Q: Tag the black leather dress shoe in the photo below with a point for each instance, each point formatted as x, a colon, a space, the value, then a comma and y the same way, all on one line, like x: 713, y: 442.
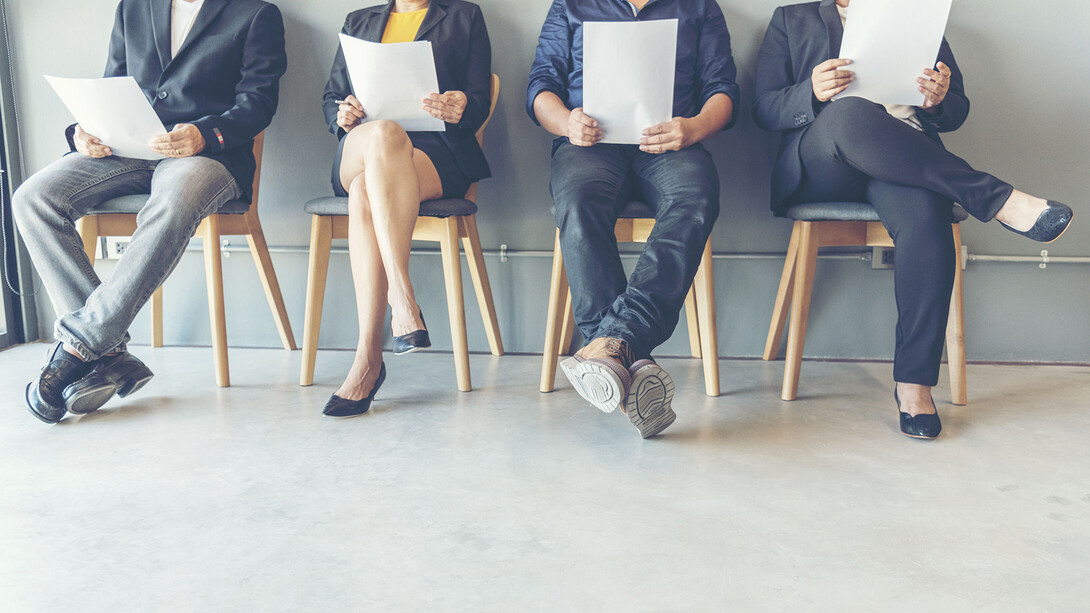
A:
x: 122, y: 374
x: 1051, y: 223
x: 339, y: 407
x: 45, y: 396
x: 413, y: 341
x: 921, y: 426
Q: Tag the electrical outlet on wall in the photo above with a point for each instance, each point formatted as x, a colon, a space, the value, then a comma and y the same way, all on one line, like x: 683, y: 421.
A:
x: 881, y: 258
x: 115, y: 246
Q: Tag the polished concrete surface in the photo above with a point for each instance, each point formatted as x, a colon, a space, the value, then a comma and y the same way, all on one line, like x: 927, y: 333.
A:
x: 186, y: 497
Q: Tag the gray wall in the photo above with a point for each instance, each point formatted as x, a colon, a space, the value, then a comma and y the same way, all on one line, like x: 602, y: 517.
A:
x: 1026, y: 72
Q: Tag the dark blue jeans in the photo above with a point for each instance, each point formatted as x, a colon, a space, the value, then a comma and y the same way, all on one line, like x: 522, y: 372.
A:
x: 590, y: 186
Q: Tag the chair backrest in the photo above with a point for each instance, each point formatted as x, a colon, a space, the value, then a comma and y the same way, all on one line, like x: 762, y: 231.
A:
x: 259, y: 146
x: 471, y: 194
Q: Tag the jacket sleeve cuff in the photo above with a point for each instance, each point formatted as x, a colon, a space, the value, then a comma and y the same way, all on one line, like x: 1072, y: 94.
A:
x: 214, y: 140
x: 70, y: 136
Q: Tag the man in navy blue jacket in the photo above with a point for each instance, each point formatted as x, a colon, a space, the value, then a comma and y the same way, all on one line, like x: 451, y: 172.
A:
x: 624, y: 320
x: 211, y: 69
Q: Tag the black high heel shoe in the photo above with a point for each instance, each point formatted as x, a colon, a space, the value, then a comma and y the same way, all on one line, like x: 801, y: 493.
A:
x: 1050, y: 225
x: 413, y: 341
x: 920, y: 426
x: 339, y: 407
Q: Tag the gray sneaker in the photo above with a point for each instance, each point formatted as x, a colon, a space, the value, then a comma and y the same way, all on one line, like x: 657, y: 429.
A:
x: 649, y: 398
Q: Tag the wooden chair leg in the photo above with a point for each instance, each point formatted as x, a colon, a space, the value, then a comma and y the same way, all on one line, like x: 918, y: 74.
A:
x: 452, y: 274
x: 705, y: 308
x: 955, y: 331
x: 157, y: 317
x: 783, y: 298
x: 471, y: 243
x: 800, y: 308
x: 87, y: 228
x: 321, y: 244
x: 567, y: 331
x: 692, y: 322
x: 260, y: 251
x: 213, y: 270
x: 555, y: 320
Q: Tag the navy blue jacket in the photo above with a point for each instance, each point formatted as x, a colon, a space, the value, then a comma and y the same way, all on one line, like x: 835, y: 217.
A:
x: 463, y: 62
x: 705, y: 66
x: 225, y: 79
x: 800, y: 37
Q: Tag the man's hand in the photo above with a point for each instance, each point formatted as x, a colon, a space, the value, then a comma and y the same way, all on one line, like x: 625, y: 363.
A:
x: 828, y: 80
x: 934, y: 85
x: 447, y: 107
x: 674, y: 135
x: 583, y: 129
x: 183, y: 141
x: 89, y: 145
x: 350, y: 114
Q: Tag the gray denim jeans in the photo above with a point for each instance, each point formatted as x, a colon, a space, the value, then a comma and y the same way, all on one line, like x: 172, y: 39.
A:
x: 94, y: 315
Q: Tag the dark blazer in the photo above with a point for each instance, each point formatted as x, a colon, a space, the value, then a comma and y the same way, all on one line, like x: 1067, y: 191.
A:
x: 463, y: 62
x: 225, y: 79
x: 800, y: 37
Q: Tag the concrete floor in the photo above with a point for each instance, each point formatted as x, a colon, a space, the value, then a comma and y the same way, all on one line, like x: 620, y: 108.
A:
x: 186, y: 497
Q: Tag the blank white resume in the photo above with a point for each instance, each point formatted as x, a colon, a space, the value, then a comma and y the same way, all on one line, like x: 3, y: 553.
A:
x: 628, y: 76
x: 890, y: 42
x: 391, y: 81
x: 115, y: 111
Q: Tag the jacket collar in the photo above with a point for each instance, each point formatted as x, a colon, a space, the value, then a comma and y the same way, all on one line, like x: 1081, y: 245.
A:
x: 831, y: 17
x: 377, y: 26
x: 160, y: 24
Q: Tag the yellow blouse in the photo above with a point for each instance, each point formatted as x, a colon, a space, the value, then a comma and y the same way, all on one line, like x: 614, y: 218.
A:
x: 402, y: 27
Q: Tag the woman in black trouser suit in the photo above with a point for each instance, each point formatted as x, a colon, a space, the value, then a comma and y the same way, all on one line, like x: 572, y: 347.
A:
x: 891, y: 157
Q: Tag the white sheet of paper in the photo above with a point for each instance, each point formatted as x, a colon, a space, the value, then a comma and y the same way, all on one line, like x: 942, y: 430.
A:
x: 890, y: 42
x: 628, y: 76
x: 391, y: 81
x: 114, y: 110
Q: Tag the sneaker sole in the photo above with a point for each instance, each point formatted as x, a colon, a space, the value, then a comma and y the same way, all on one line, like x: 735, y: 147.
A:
x: 649, y: 400
x: 135, y: 386
x: 596, y: 383
x: 89, y: 400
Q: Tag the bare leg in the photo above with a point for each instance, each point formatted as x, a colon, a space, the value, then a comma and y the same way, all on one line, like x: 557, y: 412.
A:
x: 915, y: 399
x: 379, y: 166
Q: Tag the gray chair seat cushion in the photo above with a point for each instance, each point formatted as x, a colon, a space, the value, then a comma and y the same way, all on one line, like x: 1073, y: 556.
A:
x: 135, y: 202
x: 332, y: 205
x: 847, y: 211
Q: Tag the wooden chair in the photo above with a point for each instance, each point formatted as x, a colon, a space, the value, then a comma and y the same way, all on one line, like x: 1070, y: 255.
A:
x: 442, y: 221
x: 634, y: 226
x: 117, y: 217
x: 839, y: 224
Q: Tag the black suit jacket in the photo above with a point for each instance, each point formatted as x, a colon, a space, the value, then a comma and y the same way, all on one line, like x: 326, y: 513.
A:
x: 463, y: 62
x: 225, y: 79
x: 800, y: 37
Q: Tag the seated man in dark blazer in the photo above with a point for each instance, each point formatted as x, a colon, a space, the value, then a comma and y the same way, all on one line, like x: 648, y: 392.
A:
x: 211, y: 69
x: 624, y: 320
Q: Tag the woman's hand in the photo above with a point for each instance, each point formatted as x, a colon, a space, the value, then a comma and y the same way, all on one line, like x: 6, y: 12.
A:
x: 674, y: 135
x: 448, y: 107
x: 583, y: 130
x: 183, y: 141
x: 89, y: 145
x: 934, y: 85
x: 828, y: 80
x: 350, y: 113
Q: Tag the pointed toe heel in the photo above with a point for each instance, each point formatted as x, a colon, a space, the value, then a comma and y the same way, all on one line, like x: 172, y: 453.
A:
x: 339, y: 407
x: 924, y: 426
x: 1050, y: 225
x: 413, y: 341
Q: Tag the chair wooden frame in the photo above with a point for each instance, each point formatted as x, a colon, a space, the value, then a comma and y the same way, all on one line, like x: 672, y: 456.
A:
x: 247, y: 224
x: 699, y: 310
x: 797, y: 281
x: 445, y: 231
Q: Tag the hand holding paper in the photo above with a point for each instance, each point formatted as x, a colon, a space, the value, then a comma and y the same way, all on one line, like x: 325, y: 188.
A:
x: 890, y: 43
x: 115, y: 112
x: 392, y: 80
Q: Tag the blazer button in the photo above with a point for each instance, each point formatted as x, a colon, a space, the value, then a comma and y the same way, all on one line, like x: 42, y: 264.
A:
x: 163, y: 95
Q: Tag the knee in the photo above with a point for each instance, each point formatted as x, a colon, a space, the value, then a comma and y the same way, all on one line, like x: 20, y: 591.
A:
x: 849, y: 109
x: 384, y: 137
x: 32, y: 201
